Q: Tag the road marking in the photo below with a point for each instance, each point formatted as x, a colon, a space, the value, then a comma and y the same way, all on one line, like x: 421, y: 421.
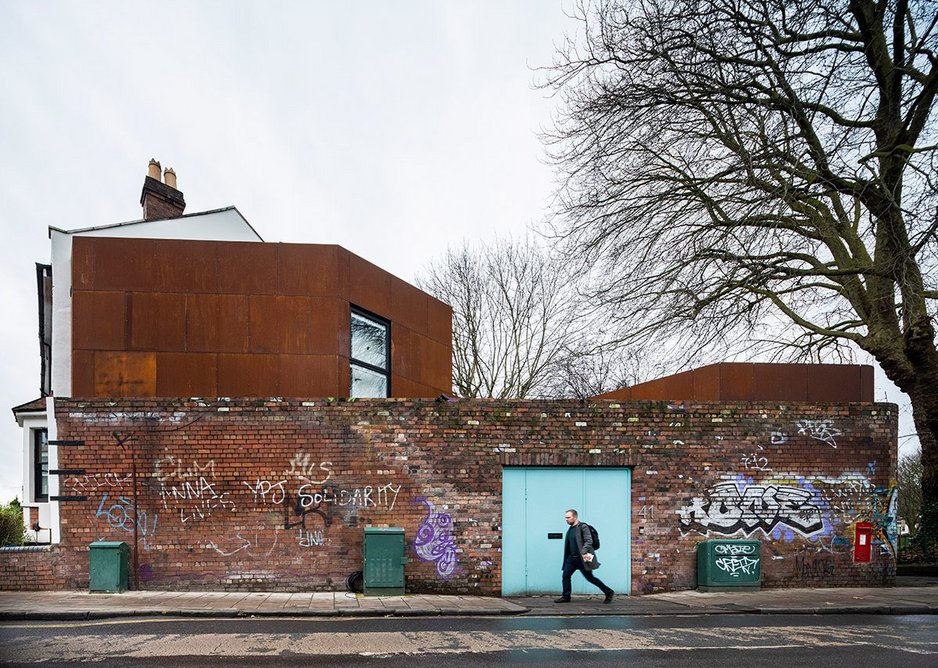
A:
x: 388, y: 643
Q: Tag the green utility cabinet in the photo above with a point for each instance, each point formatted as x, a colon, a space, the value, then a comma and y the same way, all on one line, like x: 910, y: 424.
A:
x: 384, y: 561
x: 729, y: 565
x: 108, y: 565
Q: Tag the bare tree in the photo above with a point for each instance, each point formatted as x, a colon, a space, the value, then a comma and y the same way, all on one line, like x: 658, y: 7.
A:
x: 909, y: 478
x: 520, y: 329
x: 761, y: 171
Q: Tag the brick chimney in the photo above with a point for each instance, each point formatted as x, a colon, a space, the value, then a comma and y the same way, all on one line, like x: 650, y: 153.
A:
x: 160, y: 198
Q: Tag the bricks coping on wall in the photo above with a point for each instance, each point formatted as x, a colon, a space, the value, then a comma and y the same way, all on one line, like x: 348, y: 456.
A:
x: 273, y: 494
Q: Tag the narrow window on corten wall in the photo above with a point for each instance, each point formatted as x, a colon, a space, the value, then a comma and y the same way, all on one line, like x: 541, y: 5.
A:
x: 40, y: 465
x: 370, y: 364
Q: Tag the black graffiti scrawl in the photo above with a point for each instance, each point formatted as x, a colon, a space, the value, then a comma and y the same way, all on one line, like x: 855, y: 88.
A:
x: 726, y: 510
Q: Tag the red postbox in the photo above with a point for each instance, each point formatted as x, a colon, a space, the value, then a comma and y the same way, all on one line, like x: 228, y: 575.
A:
x: 863, y: 542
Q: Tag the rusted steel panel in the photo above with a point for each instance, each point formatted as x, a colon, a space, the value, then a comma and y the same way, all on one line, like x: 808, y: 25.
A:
x: 247, y: 375
x: 652, y: 390
x: 248, y: 268
x: 158, y: 321
x: 369, y: 286
x: 328, y: 326
x: 124, y: 374
x: 83, y: 373
x: 311, y: 270
x: 217, y: 323
x: 833, y: 382
x: 408, y: 353
x: 736, y: 382
x: 309, y: 376
x: 439, y: 321
x: 680, y: 386
x: 437, y: 368
x: 186, y: 266
x: 82, y: 263
x: 409, y: 305
x: 343, y: 373
x: 407, y: 388
x: 99, y: 320
x: 866, y: 383
x: 706, y: 383
x: 280, y: 324
x: 780, y: 382
x: 122, y: 264
x: 186, y: 375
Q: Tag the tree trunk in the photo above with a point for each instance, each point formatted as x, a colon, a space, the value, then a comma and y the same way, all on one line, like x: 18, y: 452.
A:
x: 925, y: 413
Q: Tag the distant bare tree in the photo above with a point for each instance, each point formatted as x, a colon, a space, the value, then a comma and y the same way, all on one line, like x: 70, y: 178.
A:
x: 595, y: 369
x: 762, y: 171
x: 520, y: 329
x: 909, y: 477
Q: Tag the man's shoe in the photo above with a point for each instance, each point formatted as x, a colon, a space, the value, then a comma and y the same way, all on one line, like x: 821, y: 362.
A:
x: 562, y: 599
x: 609, y: 597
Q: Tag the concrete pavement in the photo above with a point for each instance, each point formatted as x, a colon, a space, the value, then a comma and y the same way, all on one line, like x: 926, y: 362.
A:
x: 913, y: 596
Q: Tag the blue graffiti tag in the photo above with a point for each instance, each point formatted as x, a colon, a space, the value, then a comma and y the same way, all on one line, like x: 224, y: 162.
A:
x: 121, y: 516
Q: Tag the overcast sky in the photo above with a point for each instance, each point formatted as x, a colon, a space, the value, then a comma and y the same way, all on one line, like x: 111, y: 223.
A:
x: 392, y: 128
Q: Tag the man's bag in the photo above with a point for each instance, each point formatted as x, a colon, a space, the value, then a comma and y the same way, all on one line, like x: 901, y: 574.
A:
x: 594, y: 534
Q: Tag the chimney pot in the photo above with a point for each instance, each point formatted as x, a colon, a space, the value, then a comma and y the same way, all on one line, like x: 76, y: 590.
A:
x: 161, y: 200
x: 153, y: 170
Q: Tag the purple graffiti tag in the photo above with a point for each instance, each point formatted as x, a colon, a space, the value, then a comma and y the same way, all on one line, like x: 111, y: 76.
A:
x: 434, y: 540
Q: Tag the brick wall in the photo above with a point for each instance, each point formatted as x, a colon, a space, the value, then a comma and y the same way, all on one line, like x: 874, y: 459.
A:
x: 31, y: 569
x: 254, y: 494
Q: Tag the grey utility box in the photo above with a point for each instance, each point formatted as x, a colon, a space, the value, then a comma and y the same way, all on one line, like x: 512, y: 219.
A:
x: 108, y: 563
x: 384, y: 561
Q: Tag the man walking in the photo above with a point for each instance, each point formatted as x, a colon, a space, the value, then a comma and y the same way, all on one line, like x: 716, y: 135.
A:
x: 578, y: 555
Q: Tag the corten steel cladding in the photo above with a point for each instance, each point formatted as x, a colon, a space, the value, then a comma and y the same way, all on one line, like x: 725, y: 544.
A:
x: 158, y: 317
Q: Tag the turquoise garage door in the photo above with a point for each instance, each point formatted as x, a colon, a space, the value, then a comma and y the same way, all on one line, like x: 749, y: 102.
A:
x: 533, y: 504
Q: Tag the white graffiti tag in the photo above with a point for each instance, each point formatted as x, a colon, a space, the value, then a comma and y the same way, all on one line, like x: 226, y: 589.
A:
x: 820, y: 430
x: 736, y: 565
x: 726, y: 510
x: 723, y: 548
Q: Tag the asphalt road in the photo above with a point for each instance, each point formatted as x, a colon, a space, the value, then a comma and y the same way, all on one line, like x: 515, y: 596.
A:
x: 750, y: 640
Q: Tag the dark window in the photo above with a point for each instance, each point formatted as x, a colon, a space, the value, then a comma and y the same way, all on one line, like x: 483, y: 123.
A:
x: 44, y: 280
x: 40, y: 465
x: 370, y: 366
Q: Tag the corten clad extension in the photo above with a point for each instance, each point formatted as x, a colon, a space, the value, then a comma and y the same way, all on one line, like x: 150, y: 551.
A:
x: 736, y: 381
x: 169, y: 317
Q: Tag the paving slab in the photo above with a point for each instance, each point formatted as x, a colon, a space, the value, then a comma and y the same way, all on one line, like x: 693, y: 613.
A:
x: 76, y: 605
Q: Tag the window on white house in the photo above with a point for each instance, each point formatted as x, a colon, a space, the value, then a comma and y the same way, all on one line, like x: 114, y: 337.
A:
x: 40, y: 464
x: 370, y: 355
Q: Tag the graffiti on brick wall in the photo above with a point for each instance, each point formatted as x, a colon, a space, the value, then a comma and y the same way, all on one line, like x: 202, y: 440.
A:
x: 852, y: 498
x: 756, y: 460
x: 190, y: 488
x: 820, y: 430
x: 308, y: 497
x: 304, y: 466
x: 304, y: 494
x: 307, y: 538
x: 727, y: 510
x: 823, y: 511
x: 119, y: 514
x: 811, y: 566
x: 89, y: 483
x: 434, y: 539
